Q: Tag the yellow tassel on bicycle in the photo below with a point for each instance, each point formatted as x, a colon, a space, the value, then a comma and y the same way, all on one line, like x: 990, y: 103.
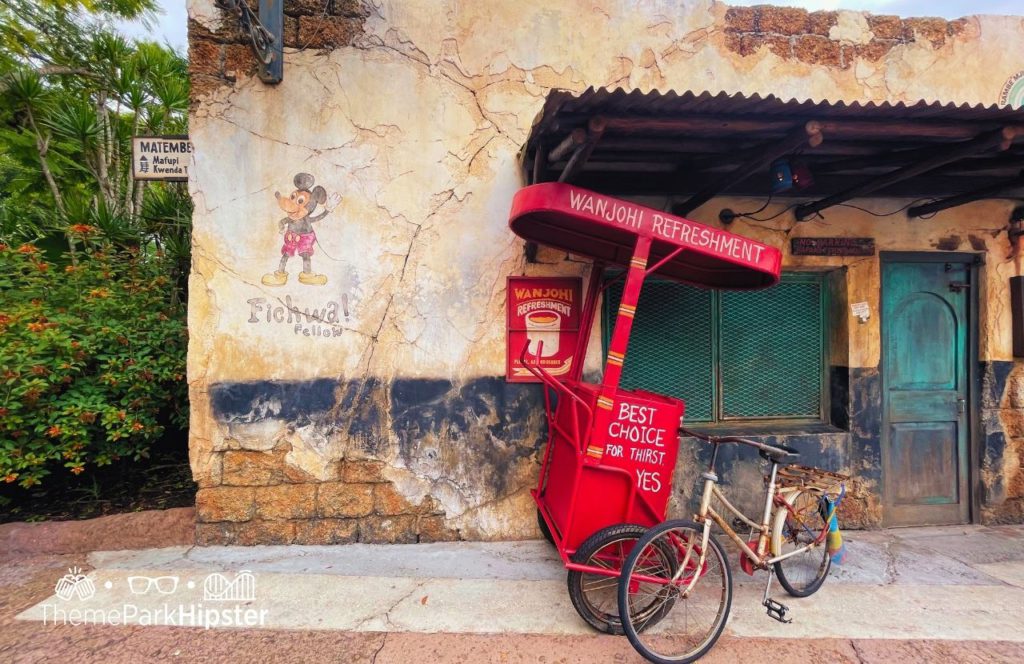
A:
x: 834, y: 539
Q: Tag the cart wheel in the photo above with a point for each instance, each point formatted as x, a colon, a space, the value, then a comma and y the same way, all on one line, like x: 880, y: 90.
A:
x: 544, y: 530
x: 595, y: 596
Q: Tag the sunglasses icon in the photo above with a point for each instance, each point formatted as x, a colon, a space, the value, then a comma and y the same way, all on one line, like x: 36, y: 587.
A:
x: 140, y: 585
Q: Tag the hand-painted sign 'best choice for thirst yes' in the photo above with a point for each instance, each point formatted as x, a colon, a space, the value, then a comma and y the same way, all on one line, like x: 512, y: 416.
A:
x: 161, y: 158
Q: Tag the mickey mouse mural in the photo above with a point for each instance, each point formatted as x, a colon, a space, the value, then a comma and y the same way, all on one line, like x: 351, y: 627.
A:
x: 297, y: 228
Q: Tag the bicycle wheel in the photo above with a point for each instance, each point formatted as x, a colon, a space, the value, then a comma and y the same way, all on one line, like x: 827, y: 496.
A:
x: 698, y: 611
x: 595, y: 596
x: 803, y: 573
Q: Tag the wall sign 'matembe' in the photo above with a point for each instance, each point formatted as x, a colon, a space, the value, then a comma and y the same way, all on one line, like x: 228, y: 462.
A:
x: 833, y: 246
x: 161, y: 158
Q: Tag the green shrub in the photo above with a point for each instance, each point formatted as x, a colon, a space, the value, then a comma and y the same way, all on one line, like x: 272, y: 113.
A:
x: 92, y: 358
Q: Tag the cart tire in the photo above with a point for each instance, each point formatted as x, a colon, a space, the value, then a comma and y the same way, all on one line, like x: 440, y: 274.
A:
x: 595, y: 597
x: 544, y: 530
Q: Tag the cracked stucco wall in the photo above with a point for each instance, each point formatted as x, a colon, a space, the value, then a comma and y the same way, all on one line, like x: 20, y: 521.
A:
x: 373, y: 406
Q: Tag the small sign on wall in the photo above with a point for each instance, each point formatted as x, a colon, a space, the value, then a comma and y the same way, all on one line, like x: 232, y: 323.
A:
x: 832, y: 246
x: 544, y: 316
x: 161, y: 158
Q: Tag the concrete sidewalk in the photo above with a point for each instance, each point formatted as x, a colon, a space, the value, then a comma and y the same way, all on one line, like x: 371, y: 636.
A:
x: 952, y: 583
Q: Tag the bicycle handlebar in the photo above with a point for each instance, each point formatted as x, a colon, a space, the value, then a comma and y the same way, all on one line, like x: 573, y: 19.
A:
x: 778, y: 451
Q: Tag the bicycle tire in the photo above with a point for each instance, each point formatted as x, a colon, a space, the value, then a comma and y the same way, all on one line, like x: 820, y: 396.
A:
x: 667, y: 643
x: 544, y: 530
x: 595, y: 597
x: 803, y: 574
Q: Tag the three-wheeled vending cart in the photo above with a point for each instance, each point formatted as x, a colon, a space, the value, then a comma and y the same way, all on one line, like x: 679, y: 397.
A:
x: 606, y: 474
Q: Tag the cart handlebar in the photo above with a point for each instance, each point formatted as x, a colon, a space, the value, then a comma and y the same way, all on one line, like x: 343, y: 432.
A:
x: 550, y: 381
x: 777, y: 452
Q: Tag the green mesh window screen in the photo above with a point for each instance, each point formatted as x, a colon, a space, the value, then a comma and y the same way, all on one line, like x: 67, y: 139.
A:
x: 671, y: 348
x: 771, y: 350
x: 729, y: 355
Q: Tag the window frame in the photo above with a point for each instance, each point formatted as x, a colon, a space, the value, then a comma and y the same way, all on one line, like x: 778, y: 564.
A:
x: 718, y: 417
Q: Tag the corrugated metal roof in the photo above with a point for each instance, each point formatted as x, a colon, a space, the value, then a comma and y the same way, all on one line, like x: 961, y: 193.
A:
x: 649, y: 157
x: 635, y: 102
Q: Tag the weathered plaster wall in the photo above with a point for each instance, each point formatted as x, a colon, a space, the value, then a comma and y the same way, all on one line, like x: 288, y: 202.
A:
x: 372, y: 406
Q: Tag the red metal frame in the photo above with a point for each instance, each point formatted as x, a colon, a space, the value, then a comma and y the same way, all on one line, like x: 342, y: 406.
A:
x: 587, y: 481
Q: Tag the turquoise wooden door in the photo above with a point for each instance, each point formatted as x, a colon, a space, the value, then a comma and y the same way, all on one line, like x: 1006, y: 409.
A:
x: 925, y: 305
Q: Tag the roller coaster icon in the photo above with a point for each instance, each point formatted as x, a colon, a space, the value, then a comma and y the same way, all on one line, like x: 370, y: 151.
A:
x: 218, y: 588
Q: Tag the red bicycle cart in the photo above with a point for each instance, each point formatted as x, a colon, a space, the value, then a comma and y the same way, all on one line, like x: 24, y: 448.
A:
x: 606, y: 474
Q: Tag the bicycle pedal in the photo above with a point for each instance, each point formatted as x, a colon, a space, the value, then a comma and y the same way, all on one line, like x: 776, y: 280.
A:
x: 777, y: 610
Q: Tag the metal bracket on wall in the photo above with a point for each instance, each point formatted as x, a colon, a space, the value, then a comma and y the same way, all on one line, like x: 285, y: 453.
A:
x: 266, y: 33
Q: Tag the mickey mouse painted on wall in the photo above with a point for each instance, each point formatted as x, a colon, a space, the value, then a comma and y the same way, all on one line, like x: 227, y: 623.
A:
x: 297, y: 228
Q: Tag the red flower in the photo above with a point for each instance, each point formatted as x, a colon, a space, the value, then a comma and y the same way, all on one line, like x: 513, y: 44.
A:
x: 77, y: 470
x: 137, y: 426
x: 11, y: 477
x: 27, y: 249
x: 82, y: 229
x: 53, y: 431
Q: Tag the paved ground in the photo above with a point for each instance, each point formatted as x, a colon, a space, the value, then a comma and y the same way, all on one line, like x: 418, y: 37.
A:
x: 938, y: 594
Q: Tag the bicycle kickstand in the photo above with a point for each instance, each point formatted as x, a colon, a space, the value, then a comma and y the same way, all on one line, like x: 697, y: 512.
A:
x: 776, y: 610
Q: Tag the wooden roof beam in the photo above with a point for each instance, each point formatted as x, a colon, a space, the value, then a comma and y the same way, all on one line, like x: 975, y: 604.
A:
x: 595, y: 129
x: 992, y: 191
x: 569, y: 144
x: 840, y: 128
x: 1001, y: 139
x: 809, y: 134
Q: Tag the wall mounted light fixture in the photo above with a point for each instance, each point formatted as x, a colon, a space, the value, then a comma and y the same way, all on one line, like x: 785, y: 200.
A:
x: 266, y: 32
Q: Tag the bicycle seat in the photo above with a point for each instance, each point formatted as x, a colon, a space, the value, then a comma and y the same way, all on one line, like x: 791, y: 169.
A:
x: 777, y: 452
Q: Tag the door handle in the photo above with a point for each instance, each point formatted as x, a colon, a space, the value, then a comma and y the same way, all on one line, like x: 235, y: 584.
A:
x: 961, y: 406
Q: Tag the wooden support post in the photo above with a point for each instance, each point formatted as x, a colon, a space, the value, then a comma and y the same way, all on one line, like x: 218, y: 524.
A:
x: 991, y: 191
x: 595, y: 129
x: 1001, y: 138
x: 809, y: 134
x: 272, y: 17
x: 539, y: 162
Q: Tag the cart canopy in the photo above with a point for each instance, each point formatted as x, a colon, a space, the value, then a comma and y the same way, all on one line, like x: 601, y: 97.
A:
x: 606, y: 229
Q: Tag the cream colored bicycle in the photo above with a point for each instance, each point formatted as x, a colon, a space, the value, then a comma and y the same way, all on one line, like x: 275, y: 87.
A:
x: 680, y: 565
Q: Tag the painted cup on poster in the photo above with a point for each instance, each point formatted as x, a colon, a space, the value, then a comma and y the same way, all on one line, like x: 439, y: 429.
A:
x: 543, y: 326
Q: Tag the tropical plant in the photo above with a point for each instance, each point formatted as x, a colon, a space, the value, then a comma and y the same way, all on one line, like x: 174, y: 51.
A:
x: 91, y: 358
x: 73, y: 92
x: 93, y: 264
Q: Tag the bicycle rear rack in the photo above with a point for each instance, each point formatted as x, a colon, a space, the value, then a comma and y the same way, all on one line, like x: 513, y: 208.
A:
x: 808, y: 478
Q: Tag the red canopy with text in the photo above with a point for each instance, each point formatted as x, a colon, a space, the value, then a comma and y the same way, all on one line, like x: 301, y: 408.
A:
x: 605, y: 229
